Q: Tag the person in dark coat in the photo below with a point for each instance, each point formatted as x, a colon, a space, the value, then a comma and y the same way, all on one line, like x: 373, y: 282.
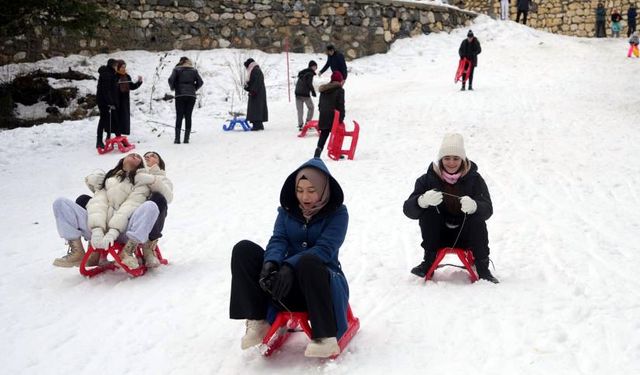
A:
x: 331, y: 99
x: 125, y: 84
x: 631, y: 20
x: 107, y: 100
x: 300, y: 270
x: 452, y: 203
x: 185, y: 81
x: 601, y: 16
x: 257, y: 110
x: 335, y: 60
x: 304, y: 91
x: 523, y: 9
x: 469, y: 49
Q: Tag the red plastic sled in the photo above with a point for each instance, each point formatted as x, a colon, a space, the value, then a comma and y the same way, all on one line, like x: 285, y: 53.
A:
x: 336, y: 139
x: 311, y: 124
x: 286, y: 323
x: 465, y: 256
x: 114, y: 251
x: 121, y: 142
x: 464, y: 69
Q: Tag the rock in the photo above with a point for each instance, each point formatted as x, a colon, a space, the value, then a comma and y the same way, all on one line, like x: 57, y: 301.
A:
x: 191, y: 17
x: 19, y: 56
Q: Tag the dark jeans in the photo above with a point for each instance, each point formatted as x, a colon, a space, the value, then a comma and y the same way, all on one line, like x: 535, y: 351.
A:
x: 324, y: 134
x: 107, y: 123
x: 435, y: 234
x: 184, y: 109
x: 631, y: 28
x: 155, y: 197
x: 311, y: 290
x: 464, y: 76
x: 600, y: 30
x: 524, y: 16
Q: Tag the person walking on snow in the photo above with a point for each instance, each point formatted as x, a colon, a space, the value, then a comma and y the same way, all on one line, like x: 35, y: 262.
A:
x: 616, y: 25
x: 304, y: 91
x: 631, y: 20
x: 185, y: 81
x: 601, y: 16
x: 331, y: 99
x: 504, y: 9
x: 300, y: 269
x: 107, y: 100
x: 335, y: 60
x: 452, y: 204
x: 257, y: 110
x: 469, y: 49
x: 125, y: 84
x: 523, y: 9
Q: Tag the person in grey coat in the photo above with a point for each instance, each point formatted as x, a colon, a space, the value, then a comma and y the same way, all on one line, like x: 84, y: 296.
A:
x: 257, y: 111
x: 185, y: 81
x: 523, y: 8
x: 304, y: 91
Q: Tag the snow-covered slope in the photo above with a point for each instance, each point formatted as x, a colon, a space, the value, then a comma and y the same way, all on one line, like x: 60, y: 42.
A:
x: 552, y: 124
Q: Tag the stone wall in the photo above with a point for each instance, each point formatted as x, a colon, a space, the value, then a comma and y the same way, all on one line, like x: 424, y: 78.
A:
x: 357, y: 27
x: 568, y: 17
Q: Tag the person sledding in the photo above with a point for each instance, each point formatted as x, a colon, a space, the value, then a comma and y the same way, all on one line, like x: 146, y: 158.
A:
x: 452, y: 203
x: 469, y: 49
x: 299, y: 270
x: 633, y: 45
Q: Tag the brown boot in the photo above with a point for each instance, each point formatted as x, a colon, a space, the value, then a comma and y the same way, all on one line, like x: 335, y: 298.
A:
x: 149, y: 254
x: 126, y: 255
x: 75, y: 252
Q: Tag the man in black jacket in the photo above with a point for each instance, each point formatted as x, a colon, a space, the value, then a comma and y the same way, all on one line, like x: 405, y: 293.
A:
x: 469, y: 49
x: 631, y: 20
x: 106, y: 97
x: 335, y: 60
x: 304, y: 88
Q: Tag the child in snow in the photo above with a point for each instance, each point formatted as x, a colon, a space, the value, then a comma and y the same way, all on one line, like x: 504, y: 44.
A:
x: 452, y: 203
x: 300, y: 270
x: 257, y: 110
x: 633, y: 45
x: 185, y: 81
x: 616, y: 25
x: 125, y: 84
x: 117, y: 212
x: 331, y: 99
x: 304, y: 91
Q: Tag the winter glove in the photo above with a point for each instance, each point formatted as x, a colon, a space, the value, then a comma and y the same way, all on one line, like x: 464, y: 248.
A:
x: 267, y: 274
x: 282, y: 283
x: 110, y: 238
x: 246, y: 87
x: 430, y: 198
x: 97, y: 237
x: 468, y: 205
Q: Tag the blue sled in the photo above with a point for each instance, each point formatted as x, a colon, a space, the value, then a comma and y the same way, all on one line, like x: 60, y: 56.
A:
x: 236, y: 121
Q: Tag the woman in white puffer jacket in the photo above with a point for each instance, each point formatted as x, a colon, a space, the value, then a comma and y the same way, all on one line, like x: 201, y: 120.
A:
x: 118, y: 211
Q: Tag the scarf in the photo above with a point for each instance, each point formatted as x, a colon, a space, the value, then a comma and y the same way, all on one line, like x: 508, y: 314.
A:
x: 320, y: 182
x: 449, y: 178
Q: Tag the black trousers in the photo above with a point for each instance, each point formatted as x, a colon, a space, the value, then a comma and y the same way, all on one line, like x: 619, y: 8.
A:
x: 464, y: 75
x: 184, y: 109
x: 631, y: 28
x: 324, y: 135
x: 107, y: 123
x: 157, y: 198
x: 524, y: 16
x: 436, y: 234
x: 311, y: 290
x: 600, y: 29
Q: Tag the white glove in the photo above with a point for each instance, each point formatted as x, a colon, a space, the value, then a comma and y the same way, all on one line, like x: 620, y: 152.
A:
x: 97, y: 238
x: 430, y: 198
x: 110, y: 238
x: 468, y: 205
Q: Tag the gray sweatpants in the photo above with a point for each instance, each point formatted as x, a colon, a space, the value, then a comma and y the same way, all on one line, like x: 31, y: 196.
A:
x: 72, y: 221
x: 300, y: 100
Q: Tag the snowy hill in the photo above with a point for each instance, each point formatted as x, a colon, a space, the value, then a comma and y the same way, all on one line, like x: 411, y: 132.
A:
x: 552, y: 124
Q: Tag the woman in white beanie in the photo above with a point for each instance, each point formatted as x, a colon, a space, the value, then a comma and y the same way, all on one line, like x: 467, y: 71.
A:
x: 451, y: 201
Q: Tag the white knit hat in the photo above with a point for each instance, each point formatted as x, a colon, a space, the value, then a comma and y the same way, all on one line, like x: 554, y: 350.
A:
x: 452, y: 145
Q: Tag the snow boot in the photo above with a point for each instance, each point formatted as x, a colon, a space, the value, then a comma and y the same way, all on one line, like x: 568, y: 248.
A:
x: 421, y: 269
x: 75, y: 252
x: 317, y: 153
x: 99, y: 143
x: 256, y: 330
x: 463, y: 87
x: 149, y: 254
x: 127, y: 257
x: 322, y: 348
x: 482, y: 267
x: 186, y: 138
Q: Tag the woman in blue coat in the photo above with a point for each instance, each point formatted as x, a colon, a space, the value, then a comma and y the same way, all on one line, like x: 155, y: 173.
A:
x: 299, y: 270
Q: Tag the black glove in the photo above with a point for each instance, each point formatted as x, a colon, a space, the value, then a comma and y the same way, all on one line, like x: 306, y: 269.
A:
x: 282, y: 283
x: 267, y: 274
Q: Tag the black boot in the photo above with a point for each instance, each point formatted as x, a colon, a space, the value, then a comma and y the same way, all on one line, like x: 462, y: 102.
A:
x: 317, y: 153
x: 177, y: 140
x: 482, y: 266
x: 421, y: 269
x: 186, y: 138
x: 99, y: 143
x: 463, y: 88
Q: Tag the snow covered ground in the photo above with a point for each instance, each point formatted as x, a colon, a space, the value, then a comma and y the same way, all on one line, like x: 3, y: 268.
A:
x: 552, y: 124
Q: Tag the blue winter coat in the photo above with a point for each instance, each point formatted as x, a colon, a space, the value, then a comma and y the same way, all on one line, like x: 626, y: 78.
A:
x: 322, y: 236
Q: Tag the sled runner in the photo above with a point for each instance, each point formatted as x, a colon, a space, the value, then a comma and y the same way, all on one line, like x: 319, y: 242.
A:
x: 311, y: 124
x: 338, y: 132
x: 287, y: 322
x: 236, y: 120
x: 121, y: 142
x: 465, y: 256
x: 464, y: 68
x: 104, y: 265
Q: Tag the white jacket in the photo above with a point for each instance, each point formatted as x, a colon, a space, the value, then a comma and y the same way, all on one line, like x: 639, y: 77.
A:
x: 113, y: 204
x: 161, y: 183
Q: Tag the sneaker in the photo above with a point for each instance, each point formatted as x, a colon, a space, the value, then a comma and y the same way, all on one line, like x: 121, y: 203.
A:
x: 322, y: 348
x: 256, y: 330
x: 421, y: 269
x: 126, y: 255
x: 74, y: 256
x: 149, y: 254
x: 482, y: 267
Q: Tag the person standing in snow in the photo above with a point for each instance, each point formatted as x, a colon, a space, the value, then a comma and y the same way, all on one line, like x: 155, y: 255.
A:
x: 523, y: 9
x: 469, y: 49
x: 257, y: 110
x: 335, y: 61
x: 299, y: 270
x: 107, y: 100
x: 185, y: 81
x: 125, y: 84
x: 116, y: 212
x: 601, y: 16
x: 304, y: 91
x: 331, y: 99
x: 631, y: 20
x: 616, y: 25
x: 452, y: 203
x: 504, y: 9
